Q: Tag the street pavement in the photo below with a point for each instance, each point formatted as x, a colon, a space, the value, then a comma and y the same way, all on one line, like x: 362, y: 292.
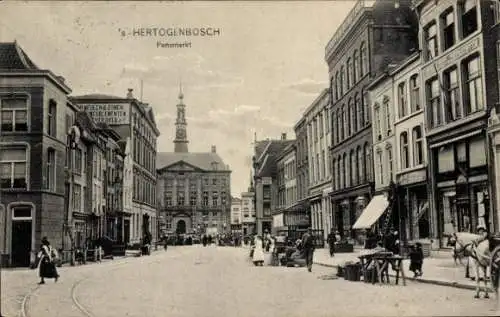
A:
x: 221, y: 281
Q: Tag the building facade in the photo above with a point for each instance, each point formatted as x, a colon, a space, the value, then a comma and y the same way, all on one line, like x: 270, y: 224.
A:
x: 131, y: 118
x: 194, y: 189
x: 248, y: 211
x: 373, y: 35
x: 302, y: 173
x: 236, y: 215
x: 32, y: 153
x: 265, y: 182
x: 460, y: 88
x: 317, y: 119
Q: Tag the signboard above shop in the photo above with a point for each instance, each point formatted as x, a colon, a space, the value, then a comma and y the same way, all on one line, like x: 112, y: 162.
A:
x: 109, y: 113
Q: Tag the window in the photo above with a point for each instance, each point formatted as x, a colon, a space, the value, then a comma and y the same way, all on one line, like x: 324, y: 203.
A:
x: 77, y: 197
x: 469, y: 18
x: 205, y: 198
x: 223, y: 198
x: 404, y: 150
x: 193, y: 198
x: 387, y: 111
x: 334, y: 174
x: 418, y: 153
x: 473, y: 85
x: 14, y: 114
x: 434, y: 102
x: 448, y: 22
x: 367, y: 166
x: 320, y: 125
x: 355, y: 66
x: 339, y: 171
x: 354, y: 178
x: 452, y: 94
x: 214, y: 181
x: 364, y: 59
x: 13, y: 166
x: 389, y: 161
x: 50, y: 170
x: 350, y: 75
x: 415, y: 93
x: 215, y: 199
x: 337, y: 88
x: 168, y: 199
x: 344, y: 170
x: 342, y: 81
x: 378, y: 123
x: 337, y: 126
x: 349, y: 117
x: 327, y: 120
x: 359, y: 165
x: 180, y: 199
x: 323, y: 162
x: 355, y: 115
x: 361, y: 116
x: 402, y: 100
x: 52, y: 118
x: 495, y: 6
x: 343, y: 123
x: 431, y: 47
x: 78, y: 161
x: 366, y: 108
x: 380, y: 162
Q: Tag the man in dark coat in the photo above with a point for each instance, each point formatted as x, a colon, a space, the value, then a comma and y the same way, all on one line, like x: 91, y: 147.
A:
x: 308, y: 248
x: 331, y: 239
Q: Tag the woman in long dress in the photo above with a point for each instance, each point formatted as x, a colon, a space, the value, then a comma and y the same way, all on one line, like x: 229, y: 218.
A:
x: 258, y: 253
x: 46, y: 264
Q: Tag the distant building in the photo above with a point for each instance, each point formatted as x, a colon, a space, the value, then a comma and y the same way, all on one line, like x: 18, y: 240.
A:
x: 236, y: 215
x: 265, y: 183
x: 248, y: 215
x: 193, y: 188
x: 132, y: 120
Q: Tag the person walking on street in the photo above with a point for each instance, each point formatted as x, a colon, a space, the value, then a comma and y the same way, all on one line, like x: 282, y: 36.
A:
x: 308, y: 247
x: 46, y: 265
x: 331, y: 239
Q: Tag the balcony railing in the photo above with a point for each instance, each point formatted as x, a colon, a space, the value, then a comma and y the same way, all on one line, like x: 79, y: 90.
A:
x: 349, y: 21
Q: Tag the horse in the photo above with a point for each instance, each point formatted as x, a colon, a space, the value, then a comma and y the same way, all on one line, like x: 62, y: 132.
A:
x: 459, y: 253
x: 464, y: 242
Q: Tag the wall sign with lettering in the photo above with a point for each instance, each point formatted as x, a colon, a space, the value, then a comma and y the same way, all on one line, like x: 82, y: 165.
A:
x: 108, y: 113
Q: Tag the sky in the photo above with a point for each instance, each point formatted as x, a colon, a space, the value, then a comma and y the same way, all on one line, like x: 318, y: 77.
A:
x: 257, y: 76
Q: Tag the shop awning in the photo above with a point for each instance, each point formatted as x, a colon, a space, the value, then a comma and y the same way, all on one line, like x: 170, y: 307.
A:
x: 372, y: 212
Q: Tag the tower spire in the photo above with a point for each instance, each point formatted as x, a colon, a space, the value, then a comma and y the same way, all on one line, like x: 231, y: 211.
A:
x: 181, y: 141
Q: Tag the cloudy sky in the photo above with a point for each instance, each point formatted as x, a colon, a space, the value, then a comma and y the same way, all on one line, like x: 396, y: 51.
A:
x: 266, y: 66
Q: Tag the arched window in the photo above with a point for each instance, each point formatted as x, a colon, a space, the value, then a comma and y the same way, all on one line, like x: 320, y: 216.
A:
x: 337, y: 83
x: 368, y: 162
x: 349, y: 80
x: 339, y: 175
x: 361, y: 112
x: 344, y: 171
x: 364, y: 59
x: 344, y: 123
x: 359, y: 163
x: 387, y: 111
x: 378, y: 122
x: 337, y: 126
x: 390, y: 168
x: 334, y: 173
x: 349, y: 117
x: 418, y: 151
x: 380, y: 165
x: 355, y: 66
x: 355, y: 114
x: 405, y: 160
x: 342, y: 82
x: 353, y: 173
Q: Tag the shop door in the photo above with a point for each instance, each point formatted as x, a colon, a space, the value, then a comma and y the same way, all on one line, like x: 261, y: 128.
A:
x: 21, y: 243
x: 126, y: 230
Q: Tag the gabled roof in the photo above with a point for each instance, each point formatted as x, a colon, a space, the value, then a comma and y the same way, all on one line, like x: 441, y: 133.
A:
x: 268, y: 166
x: 202, y: 160
x: 13, y: 57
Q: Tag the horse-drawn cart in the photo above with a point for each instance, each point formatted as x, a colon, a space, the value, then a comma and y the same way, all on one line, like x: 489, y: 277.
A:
x: 494, y: 246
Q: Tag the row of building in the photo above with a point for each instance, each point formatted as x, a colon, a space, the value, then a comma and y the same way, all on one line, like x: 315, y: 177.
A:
x: 72, y: 168
x: 408, y: 125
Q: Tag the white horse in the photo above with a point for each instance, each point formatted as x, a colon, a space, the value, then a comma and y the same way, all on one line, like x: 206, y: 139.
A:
x: 463, y: 243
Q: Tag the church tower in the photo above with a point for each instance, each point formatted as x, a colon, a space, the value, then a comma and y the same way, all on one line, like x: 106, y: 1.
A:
x: 181, y: 141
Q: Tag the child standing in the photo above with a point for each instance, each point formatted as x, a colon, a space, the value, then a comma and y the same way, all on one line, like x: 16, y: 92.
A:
x: 416, y: 259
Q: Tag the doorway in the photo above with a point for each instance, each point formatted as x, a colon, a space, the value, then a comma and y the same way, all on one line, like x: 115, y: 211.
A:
x: 126, y: 231
x: 181, y: 227
x: 21, y: 243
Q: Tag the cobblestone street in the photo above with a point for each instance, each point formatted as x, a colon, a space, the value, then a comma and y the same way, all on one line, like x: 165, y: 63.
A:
x: 214, y: 281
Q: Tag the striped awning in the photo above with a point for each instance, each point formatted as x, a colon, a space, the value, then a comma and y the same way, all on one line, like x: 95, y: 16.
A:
x: 372, y: 212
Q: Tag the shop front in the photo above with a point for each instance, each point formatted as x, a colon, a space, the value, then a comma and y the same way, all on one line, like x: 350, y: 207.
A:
x: 461, y: 193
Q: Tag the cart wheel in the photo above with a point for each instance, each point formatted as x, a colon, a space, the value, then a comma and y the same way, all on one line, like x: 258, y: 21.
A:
x: 495, y: 268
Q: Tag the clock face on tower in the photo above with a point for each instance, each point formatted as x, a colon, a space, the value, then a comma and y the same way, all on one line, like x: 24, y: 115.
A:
x: 181, y: 134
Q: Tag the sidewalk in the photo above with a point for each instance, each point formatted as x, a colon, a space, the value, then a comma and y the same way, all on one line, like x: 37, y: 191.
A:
x: 439, y: 269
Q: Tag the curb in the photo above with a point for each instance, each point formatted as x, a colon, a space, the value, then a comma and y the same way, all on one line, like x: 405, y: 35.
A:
x: 419, y: 280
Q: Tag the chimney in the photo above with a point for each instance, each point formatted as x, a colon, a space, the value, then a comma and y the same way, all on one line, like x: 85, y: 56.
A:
x: 214, y: 149
x: 283, y: 136
x: 129, y: 93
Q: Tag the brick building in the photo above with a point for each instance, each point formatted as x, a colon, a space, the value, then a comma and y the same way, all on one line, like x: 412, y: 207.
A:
x: 373, y: 35
x: 32, y: 154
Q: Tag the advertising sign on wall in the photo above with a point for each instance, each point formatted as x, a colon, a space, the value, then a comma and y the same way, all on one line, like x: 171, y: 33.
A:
x: 111, y: 114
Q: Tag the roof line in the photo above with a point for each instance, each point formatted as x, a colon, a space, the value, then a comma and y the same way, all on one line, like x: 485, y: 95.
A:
x: 263, y: 164
x: 264, y: 151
